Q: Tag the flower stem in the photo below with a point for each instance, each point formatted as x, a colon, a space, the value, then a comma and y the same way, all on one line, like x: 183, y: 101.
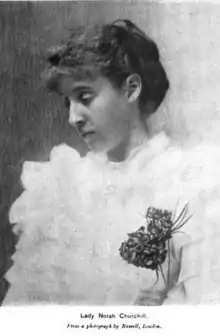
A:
x: 161, y: 270
x: 168, y: 273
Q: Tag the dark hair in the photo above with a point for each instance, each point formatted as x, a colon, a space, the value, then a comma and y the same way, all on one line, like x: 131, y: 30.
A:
x: 116, y: 51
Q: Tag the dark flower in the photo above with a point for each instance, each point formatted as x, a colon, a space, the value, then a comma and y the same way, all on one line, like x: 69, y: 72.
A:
x: 148, y: 247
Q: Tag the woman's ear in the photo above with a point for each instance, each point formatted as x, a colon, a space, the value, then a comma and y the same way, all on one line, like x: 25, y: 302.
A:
x: 133, y: 86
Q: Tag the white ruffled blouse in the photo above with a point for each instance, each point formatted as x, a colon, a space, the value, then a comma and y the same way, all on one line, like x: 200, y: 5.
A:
x: 75, y: 212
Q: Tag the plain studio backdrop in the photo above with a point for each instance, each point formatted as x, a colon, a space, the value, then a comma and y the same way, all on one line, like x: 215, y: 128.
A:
x: 33, y: 121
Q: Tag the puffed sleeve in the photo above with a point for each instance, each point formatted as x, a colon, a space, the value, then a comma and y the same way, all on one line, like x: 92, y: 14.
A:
x: 38, y: 214
x: 199, y: 277
x: 41, y: 183
x: 37, y: 180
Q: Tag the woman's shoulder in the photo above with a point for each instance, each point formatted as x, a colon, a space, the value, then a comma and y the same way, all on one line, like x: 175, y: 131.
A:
x: 64, y: 152
x: 43, y: 181
x: 169, y: 167
x: 200, y: 164
x: 191, y: 161
x: 37, y: 173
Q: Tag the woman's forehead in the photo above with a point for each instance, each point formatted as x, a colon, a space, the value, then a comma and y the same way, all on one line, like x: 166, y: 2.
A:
x: 69, y: 84
x: 62, y: 78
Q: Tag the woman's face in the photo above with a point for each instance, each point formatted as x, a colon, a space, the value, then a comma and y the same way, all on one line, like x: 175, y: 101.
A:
x: 98, y: 111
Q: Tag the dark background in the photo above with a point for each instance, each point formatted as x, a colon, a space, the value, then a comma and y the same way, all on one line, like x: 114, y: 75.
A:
x: 31, y: 120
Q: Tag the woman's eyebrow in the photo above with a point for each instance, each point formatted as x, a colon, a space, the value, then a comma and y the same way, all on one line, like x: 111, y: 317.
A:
x: 81, y: 87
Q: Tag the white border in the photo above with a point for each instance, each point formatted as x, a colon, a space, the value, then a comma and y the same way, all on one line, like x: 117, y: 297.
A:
x: 54, y: 320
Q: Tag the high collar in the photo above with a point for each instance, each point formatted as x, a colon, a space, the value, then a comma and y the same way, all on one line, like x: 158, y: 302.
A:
x: 150, y: 147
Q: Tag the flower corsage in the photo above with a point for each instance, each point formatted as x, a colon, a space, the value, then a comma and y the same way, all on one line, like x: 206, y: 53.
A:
x: 149, y: 246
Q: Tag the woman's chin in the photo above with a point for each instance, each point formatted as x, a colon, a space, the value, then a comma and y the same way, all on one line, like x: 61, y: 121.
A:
x: 96, y: 146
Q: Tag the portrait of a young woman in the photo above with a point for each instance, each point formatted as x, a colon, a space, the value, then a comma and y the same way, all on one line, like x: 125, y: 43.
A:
x: 136, y: 220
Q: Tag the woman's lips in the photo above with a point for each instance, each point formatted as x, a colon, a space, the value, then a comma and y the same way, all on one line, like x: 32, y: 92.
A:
x: 87, y: 134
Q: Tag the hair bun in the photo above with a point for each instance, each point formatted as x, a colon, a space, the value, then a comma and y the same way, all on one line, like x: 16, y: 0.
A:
x: 150, y: 52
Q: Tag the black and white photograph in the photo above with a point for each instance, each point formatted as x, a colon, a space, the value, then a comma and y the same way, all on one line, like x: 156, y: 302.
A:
x: 109, y: 153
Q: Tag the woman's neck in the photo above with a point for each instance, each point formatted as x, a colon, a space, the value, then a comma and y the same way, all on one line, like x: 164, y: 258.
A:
x: 136, y: 137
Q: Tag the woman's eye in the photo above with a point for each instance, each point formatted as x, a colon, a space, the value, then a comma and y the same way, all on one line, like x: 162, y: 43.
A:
x: 85, y: 97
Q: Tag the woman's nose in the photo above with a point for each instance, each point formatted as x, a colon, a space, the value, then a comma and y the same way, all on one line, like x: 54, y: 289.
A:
x: 76, y: 116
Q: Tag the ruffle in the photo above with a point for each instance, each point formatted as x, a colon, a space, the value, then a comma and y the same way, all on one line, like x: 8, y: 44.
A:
x: 75, y: 212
